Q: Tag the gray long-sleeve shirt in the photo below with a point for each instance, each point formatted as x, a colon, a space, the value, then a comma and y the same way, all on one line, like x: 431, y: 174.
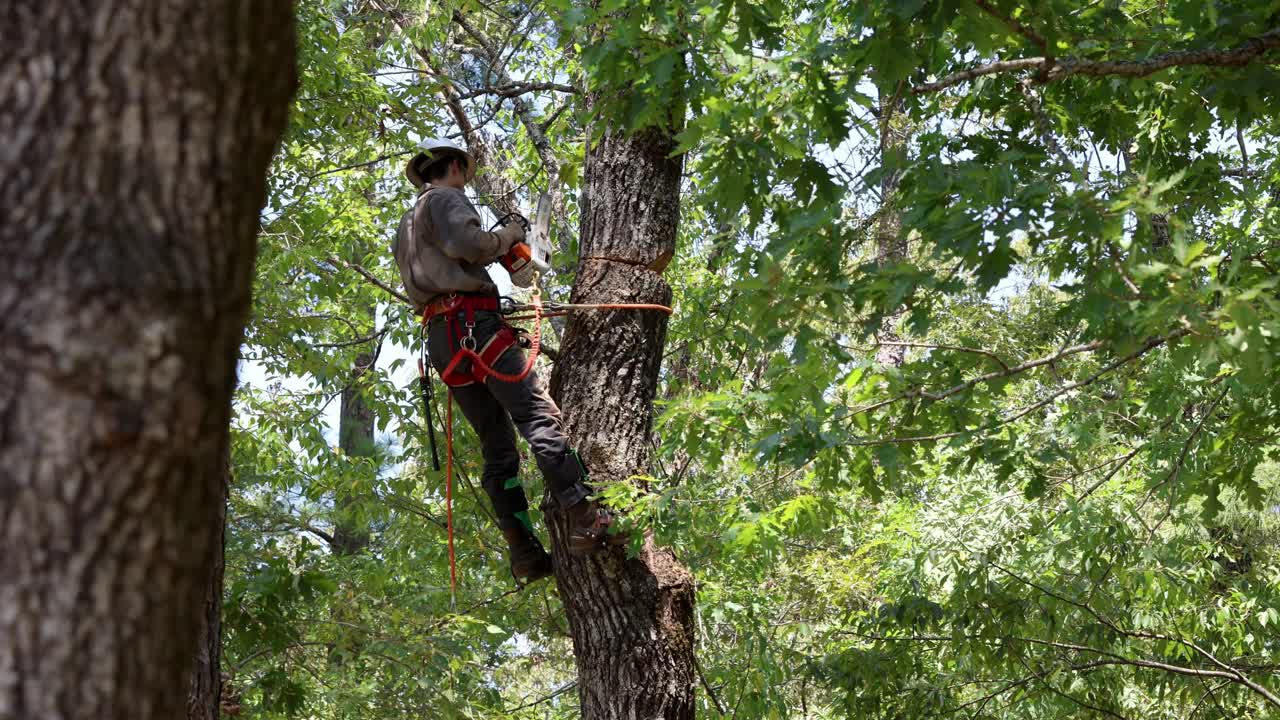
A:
x: 449, y: 249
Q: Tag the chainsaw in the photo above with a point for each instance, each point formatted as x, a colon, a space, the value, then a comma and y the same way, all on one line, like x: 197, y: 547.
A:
x: 533, y: 256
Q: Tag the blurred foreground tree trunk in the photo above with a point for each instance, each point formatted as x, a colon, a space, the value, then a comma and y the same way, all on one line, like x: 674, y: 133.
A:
x: 137, y: 139
x: 204, y: 692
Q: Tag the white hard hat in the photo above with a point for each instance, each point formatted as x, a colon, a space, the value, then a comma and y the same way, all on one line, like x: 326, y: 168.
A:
x: 434, y: 149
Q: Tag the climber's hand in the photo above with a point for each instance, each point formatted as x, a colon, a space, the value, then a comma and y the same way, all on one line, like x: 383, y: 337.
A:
x: 509, y: 235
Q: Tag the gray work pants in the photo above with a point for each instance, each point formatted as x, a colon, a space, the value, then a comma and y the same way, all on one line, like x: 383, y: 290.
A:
x: 493, y: 406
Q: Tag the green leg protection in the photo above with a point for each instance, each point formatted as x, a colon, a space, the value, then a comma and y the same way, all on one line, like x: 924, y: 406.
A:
x: 523, y: 517
x: 511, y: 502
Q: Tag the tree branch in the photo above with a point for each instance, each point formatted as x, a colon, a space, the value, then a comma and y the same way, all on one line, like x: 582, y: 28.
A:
x: 1109, y: 658
x: 1238, y: 56
x: 707, y: 686
x: 513, y: 90
x: 1077, y: 701
x: 1005, y: 372
x: 334, y: 260
x: 1043, y: 123
x: 536, y: 131
x: 957, y: 348
x: 488, y: 184
x: 1232, y: 672
x: 963, y: 76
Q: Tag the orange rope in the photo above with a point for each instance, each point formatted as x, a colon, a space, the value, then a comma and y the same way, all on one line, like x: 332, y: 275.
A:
x: 563, y: 309
x: 612, y: 306
x: 448, y: 502
x: 463, y: 353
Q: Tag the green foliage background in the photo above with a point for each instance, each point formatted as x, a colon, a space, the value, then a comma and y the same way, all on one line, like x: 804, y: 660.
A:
x: 1063, y: 503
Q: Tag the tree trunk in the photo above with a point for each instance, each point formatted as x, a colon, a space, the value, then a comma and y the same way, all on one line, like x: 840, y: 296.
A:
x: 891, y: 244
x: 137, y: 138
x: 351, y: 534
x: 631, y: 620
x: 204, y: 692
x: 355, y: 439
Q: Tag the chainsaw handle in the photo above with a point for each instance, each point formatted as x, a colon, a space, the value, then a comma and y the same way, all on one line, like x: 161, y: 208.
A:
x: 510, y: 218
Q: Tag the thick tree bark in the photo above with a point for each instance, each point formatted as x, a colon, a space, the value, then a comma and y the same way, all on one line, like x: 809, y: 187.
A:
x: 631, y: 620
x: 204, y: 692
x: 137, y: 137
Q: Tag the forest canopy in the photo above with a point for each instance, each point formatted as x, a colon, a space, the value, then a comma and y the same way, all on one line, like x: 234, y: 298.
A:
x: 969, y: 404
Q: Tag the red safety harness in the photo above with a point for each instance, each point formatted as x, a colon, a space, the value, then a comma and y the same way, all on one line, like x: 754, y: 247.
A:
x: 462, y: 341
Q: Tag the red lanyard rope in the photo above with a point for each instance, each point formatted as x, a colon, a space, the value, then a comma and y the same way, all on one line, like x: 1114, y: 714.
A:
x: 535, y: 345
x: 448, y: 501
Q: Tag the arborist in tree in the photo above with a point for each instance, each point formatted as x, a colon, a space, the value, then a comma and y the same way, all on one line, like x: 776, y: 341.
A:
x: 442, y: 250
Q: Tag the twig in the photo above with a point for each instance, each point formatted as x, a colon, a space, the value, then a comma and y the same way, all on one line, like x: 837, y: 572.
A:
x: 555, y: 115
x: 483, y: 603
x: 563, y: 689
x: 366, y: 163
x: 358, y: 341
x: 1122, y: 462
x: 1244, y: 150
x: 707, y: 686
x: 1013, y: 23
x: 1186, y: 447
x: 235, y: 669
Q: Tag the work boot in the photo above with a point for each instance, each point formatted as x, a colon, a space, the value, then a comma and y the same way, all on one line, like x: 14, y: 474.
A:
x: 589, y: 526
x: 529, y: 561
